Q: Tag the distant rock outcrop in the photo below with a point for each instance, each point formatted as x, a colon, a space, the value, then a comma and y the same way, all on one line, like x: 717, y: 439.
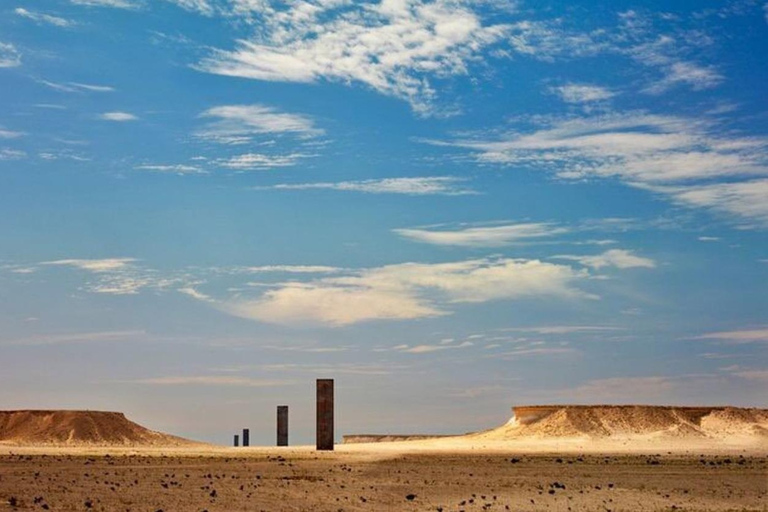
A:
x: 631, y: 421
x: 79, y: 428
x: 612, y: 422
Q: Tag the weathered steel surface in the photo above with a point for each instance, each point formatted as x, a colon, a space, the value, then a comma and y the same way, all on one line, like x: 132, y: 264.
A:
x: 324, y: 414
x: 282, y: 425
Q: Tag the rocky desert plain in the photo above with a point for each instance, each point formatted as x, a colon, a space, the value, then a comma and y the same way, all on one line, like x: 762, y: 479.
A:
x: 559, y: 458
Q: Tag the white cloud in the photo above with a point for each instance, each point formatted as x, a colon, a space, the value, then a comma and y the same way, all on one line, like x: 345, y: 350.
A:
x: 433, y: 185
x: 666, y: 154
x: 334, y: 305
x: 563, y: 329
x: 118, y: 116
x: 93, y: 88
x: 392, y: 46
x: 173, y: 169
x: 214, y: 380
x: 739, y: 337
x: 493, y: 236
x: 540, y: 351
x: 581, y: 93
x: 84, y: 337
x: 39, y: 17
x: 294, y: 269
x: 95, y: 265
x: 117, y: 4
x: 76, y: 87
x: 427, y: 348
x: 11, y: 154
x: 200, y: 6
x: 10, y: 134
x: 120, y: 276
x: 744, y: 200
x: 694, y: 75
x: 408, y: 290
x: 635, y: 147
x: 618, y: 258
x: 260, y: 161
x: 238, y: 124
x: 9, y: 56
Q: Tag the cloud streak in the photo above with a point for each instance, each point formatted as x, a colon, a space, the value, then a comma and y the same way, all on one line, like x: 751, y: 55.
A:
x: 42, y: 18
x: 492, y: 236
x: 690, y: 160
x: 239, y: 124
x: 426, y: 186
x: 118, y: 116
x: 616, y: 258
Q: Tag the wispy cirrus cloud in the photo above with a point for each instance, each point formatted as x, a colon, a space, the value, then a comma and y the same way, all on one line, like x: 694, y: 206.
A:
x: 738, y: 337
x: 75, y: 87
x: 260, y: 161
x: 82, y: 337
x: 490, y: 236
x: 42, y: 18
x: 117, y: 4
x: 203, y: 7
x: 432, y: 185
x: 10, y: 57
x: 180, y: 169
x: 564, y: 329
x: 239, y: 124
x: 94, y: 265
x: 582, y: 93
x: 693, y: 161
x: 395, y: 48
x: 120, y: 276
x: 12, y: 154
x: 696, y: 76
x: 617, y: 258
x: 745, y: 200
x: 118, y: 116
x: 294, y: 269
x: 429, y: 348
x: 10, y: 134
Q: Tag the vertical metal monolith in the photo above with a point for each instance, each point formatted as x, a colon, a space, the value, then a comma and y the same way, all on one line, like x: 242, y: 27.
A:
x: 237, y: 440
x: 282, y: 425
x: 246, y: 437
x: 324, y: 432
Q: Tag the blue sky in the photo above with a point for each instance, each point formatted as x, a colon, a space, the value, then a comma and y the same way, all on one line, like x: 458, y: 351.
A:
x: 450, y: 207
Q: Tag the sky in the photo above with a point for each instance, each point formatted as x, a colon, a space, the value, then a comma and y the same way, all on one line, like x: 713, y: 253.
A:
x: 451, y: 207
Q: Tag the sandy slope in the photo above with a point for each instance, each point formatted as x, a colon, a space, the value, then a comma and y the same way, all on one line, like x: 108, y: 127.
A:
x: 602, y: 428
x: 78, y: 428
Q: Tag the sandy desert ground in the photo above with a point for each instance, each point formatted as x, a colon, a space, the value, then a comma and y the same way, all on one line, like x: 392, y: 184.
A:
x: 367, y: 478
x: 507, y: 468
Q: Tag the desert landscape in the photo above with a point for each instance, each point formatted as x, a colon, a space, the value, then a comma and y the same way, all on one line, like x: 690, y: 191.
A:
x: 383, y: 255
x: 618, y: 458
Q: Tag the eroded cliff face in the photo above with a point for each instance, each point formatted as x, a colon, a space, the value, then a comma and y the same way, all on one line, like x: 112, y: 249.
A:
x: 528, y: 414
x: 620, y: 421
